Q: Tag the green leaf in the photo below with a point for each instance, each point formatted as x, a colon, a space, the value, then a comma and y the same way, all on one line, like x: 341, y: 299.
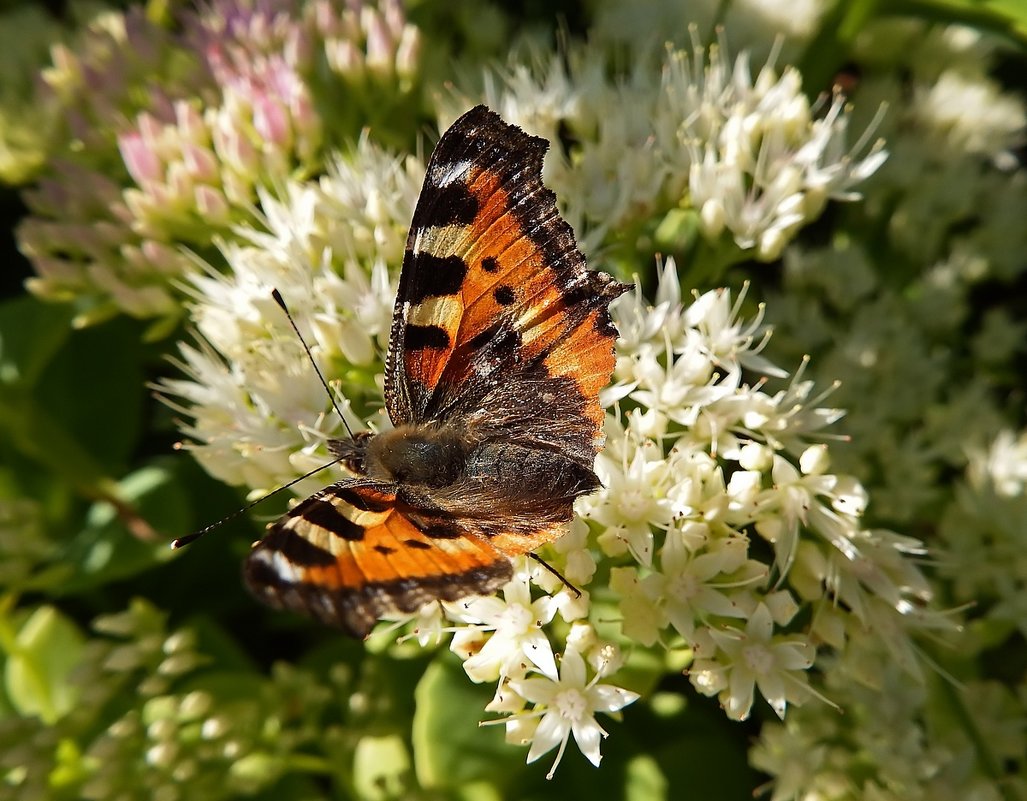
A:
x: 94, y: 389
x: 40, y: 438
x: 40, y: 656
x: 678, y: 231
x: 31, y: 332
x: 478, y: 791
x: 122, y: 541
x: 1007, y: 17
x: 71, y: 766
x: 70, y: 405
x: 450, y: 748
x: 381, y: 768
x: 645, y: 780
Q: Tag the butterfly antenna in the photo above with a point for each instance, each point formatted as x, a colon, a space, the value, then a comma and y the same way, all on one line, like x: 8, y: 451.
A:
x: 183, y: 541
x: 331, y: 396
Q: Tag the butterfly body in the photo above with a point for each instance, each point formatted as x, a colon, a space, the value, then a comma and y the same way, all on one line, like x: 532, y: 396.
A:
x: 501, y: 340
x: 448, y: 473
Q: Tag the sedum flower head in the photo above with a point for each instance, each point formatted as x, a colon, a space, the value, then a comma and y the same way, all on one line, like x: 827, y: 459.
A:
x: 699, y: 466
x: 721, y: 531
x: 328, y: 246
x: 79, y: 236
x: 232, y: 109
x: 749, y: 157
x: 967, y: 112
x: 894, y: 741
x: 187, y: 733
x: 761, y: 162
x: 368, y: 44
x: 726, y: 463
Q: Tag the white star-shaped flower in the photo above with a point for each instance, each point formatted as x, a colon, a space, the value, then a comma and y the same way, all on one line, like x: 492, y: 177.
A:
x: 516, y: 622
x: 568, y: 707
x: 732, y: 663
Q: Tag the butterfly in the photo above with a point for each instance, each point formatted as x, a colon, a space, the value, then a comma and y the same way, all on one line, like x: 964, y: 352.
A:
x: 500, y: 342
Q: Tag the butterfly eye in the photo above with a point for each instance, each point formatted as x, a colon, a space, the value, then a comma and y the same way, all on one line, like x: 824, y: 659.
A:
x: 351, y: 451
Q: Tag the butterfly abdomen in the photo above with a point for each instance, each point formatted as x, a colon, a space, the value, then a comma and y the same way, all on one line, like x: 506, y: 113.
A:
x: 527, y: 472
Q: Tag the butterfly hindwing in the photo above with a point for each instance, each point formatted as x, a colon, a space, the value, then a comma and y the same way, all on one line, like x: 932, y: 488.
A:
x: 352, y: 553
x: 492, y: 293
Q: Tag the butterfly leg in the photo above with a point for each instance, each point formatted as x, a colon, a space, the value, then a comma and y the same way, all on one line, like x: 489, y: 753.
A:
x: 557, y: 573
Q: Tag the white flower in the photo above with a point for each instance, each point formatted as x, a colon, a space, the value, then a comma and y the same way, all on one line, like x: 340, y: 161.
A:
x: 516, y: 622
x: 427, y: 625
x: 730, y: 340
x: 373, y: 194
x: 732, y: 663
x: 749, y: 155
x: 568, y: 706
x: 641, y: 324
x: 793, y: 501
x: 792, y: 753
x: 576, y: 564
x: 694, y: 587
x: 613, y: 176
x: 1003, y: 467
x: 680, y: 386
x: 965, y: 112
x: 633, y: 499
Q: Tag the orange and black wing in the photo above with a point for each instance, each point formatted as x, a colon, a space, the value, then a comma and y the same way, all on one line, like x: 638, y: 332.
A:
x: 352, y: 553
x: 497, y: 317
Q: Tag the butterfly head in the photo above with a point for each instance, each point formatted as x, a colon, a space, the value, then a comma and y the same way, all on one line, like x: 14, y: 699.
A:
x: 351, y: 451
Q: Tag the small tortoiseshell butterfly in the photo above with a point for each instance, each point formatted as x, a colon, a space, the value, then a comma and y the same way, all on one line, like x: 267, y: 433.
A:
x: 501, y: 340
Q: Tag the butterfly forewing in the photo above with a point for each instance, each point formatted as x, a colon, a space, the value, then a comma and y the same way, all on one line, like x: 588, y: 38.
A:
x: 492, y: 284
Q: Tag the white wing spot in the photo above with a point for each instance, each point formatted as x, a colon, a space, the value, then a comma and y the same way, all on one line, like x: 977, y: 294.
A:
x: 440, y: 311
x: 282, y: 567
x: 446, y: 174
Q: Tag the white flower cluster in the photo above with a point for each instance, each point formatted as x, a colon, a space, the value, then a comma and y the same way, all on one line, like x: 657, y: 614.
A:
x: 701, y: 475
x: 718, y: 524
x: 257, y: 410
x: 923, y: 343
x: 720, y: 532
x: 504, y: 640
x: 761, y: 162
x: 751, y: 157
